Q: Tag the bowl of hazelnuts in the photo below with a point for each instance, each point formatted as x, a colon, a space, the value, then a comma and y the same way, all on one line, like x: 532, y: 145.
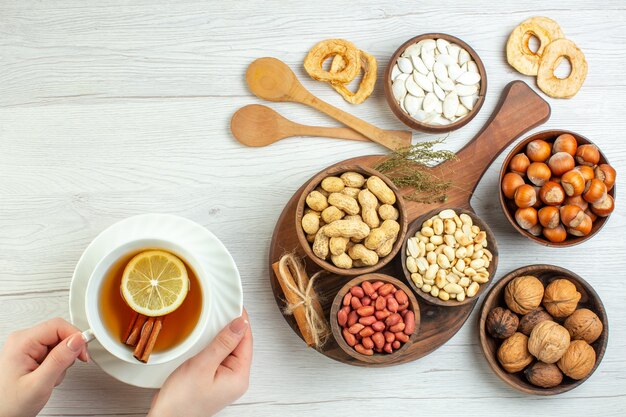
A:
x: 557, y: 188
x: 543, y: 329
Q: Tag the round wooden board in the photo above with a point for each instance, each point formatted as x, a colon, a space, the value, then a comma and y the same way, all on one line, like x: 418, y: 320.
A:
x: 519, y: 110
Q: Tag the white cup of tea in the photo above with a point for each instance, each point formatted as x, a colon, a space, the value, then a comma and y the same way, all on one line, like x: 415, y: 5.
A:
x: 113, y: 343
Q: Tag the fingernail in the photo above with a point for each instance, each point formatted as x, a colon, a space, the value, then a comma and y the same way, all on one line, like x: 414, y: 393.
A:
x: 239, y: 325
x: 76, y: 343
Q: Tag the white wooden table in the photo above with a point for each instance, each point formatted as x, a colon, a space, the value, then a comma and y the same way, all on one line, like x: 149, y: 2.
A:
x: 115, y: 108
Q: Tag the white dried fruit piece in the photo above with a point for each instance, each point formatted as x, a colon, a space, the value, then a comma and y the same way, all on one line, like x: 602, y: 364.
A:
x: 450, y: 105
x: 412, y: 104
x: 398, y: 89
x: 469, y: 78
x: 413, y: 89
x: 405, y: 65
x: 395, y: 71
x: 441, y: 73
x: 419, y: 65
x: 429, y: 59
x: 447, y: 84
x: 423, y: 81
x: 465, y: 90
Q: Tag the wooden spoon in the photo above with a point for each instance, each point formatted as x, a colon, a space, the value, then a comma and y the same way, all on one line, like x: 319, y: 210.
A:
x: 257, y: 125
x: 271, y: 79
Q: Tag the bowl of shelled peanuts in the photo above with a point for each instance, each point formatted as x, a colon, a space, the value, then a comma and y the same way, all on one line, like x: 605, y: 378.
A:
x: 557, y: 188
x: 375, y: 318
x: 350, y: 220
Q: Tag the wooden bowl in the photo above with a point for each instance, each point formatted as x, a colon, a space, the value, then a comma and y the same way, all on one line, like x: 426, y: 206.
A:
x: 337, y: 171
x: 377, y: 358
x: 410, y: 121
x: 509, y: 208
x: 416, y: 225
x: 546, y: 274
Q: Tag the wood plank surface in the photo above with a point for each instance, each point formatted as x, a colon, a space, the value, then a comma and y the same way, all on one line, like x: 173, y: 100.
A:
x: 110, y: 109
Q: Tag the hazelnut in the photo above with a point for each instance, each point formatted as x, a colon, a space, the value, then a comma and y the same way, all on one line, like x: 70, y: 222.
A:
x: 585, y: 325
x: 561, y: 298
x: 571, y: 216
x: 548, y: 341
x: 573, y: 182
x: 552, y: 193
x: 583, y: 229
x: 606, y: 174
x: 530, y: 320
x: 501, y: 323
x: 513, y: 353
x: 538, y: 173
x: 578, y: 360
x: 536, y: 230
x: 565, y: 143
x: 586, y: 171
x: 549, y: 216
x: 576, y: 201
x: 523, y: 294
x: 510, y: 182
x: 560, y: 163
x: 604, y: 207
x: 595, y: 191
x: 544, y: 375
x: 538, y: 150
x: 556, y: 234
x: 525, y: 196
x: 526, y: 217
x: 519, y: 164
x: 587, y: 155
x: 591, y: 215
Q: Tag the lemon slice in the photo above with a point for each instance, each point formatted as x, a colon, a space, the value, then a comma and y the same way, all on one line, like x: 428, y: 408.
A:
x: 155, y: 283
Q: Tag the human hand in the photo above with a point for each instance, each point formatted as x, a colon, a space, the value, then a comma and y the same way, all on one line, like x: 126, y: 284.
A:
x: 212, y: 379
x: 33, y: 362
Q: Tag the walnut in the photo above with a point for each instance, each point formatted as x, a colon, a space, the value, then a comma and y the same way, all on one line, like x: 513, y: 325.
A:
x: 561, y: 298
x: 530, y: 320
x: 513, y: 353
x: 578, y: 360
x: 523, y: 294
x: 501, y: 323
x: 545, y: 375
x: 585, y: 325
x: 548, y: 341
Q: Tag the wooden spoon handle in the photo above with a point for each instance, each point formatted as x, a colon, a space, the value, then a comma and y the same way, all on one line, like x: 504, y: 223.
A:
x: 519, y: 110
x: 388, y: 139
x: 337, y: 132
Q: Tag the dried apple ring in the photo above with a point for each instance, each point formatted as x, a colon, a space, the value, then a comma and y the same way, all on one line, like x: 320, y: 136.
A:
x: 519, y: 55
x: 561, y: 87
x: 366, y: 86
x: 331, y: 47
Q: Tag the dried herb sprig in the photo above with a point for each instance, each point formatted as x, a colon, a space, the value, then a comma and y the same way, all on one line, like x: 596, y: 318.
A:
x: 410, y: 167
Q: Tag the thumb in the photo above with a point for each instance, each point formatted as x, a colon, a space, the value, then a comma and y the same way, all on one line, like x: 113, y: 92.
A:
x: 224, y: 343
x: 59, y: 359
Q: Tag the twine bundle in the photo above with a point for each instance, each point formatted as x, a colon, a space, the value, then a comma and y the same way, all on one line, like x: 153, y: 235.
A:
x: 302, y: 302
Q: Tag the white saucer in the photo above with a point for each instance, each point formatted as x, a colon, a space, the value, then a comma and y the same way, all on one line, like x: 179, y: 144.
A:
x: 226, y: 291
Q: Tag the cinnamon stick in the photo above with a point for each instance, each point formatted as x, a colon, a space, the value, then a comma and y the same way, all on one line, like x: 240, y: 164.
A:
x: 292, y: 298
x: 131, y: 337
x: 158, y: 325
x: 143, y: 339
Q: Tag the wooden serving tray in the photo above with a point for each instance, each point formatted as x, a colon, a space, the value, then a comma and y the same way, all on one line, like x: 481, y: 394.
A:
x: 519, y: 110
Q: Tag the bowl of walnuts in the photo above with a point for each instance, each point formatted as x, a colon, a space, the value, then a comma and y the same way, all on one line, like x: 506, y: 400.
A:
x: 350, y: 220
x: 543, y: 329
x: 557, y: 188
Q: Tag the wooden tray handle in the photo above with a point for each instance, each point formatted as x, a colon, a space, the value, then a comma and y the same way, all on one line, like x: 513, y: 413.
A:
x: 519, y: 110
